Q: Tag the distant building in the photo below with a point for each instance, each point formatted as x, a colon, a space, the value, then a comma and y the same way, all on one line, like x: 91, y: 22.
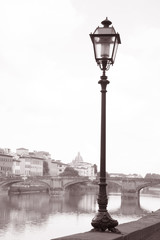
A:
x: 83, y: 168
x: 56, y: 167
x: 28, y: 163
x: 36, y: 164
x: 31, y: 165
x: 61, y: 166
x: 133, y: 175
x: 1, y: 150
x: 9, y: 163
x: 22, y: 151
x: 41, y: 154
x: 52, y: 166
x: 6, y: 164
x: 7, y: 150
x: 121, y: 175
x: 16, y: 166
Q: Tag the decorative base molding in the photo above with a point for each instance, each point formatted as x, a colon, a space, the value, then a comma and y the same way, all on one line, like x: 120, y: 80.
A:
x: 103, y: 221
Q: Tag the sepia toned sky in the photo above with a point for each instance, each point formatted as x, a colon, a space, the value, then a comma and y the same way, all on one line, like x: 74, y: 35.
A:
x: 49, y: 94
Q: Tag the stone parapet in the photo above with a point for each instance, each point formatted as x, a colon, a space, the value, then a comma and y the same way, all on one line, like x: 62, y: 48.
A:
x: 136, y: 230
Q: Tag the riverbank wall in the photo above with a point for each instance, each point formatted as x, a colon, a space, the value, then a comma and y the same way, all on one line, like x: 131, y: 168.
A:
x: 136, y: 230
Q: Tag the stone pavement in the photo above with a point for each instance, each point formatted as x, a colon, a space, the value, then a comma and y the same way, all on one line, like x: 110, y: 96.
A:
x: 146, y: 228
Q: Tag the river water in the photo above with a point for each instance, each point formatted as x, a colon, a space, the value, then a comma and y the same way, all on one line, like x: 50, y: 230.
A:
x: 39, y: 216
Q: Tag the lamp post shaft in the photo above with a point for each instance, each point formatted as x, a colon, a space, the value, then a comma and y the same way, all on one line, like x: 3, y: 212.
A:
x: 102, y: 197
x: 103, y: 220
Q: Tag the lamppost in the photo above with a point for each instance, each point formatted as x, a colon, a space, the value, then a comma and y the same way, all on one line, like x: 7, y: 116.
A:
x: 105, y: 42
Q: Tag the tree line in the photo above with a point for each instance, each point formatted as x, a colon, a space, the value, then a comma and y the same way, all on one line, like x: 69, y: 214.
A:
x: 152, y: 175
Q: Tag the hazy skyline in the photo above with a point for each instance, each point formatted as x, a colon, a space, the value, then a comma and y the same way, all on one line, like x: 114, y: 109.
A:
x: 50, y: 97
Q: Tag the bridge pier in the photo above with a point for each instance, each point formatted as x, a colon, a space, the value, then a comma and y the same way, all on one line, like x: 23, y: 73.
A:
x: 129, y: 194
x: 56, y: 187
x: 56, y: 191
x: 129, y: 189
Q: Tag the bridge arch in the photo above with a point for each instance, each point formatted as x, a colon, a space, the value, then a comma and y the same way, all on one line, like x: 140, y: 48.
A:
x: 74, y: 183
x: 115, y: 182
x: 148, y: 184
x: 10, y: 183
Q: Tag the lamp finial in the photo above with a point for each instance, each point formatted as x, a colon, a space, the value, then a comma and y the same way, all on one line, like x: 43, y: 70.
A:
x: 106, y: 22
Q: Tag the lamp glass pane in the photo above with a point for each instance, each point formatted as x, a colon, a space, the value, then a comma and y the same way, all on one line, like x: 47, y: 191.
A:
x: 115, y: 49
x: 104, y: 46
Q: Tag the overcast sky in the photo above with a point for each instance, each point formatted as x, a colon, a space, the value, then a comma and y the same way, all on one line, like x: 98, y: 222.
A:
x: 50, y: 96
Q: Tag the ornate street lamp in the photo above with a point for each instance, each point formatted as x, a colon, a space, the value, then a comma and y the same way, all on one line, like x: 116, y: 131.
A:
x: 105, y: 42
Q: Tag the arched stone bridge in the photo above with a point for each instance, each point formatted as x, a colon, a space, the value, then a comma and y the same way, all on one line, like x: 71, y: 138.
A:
x: 55, y: 185
x: 130, y: 187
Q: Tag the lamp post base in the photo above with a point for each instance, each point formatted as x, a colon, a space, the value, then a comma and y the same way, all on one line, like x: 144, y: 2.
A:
x: 103, y: 221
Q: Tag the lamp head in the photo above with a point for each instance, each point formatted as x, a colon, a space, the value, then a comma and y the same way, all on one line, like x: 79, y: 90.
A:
x: 105, y: 43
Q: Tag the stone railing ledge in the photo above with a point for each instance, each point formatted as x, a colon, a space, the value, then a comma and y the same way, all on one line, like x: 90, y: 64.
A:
x: 139, y: 230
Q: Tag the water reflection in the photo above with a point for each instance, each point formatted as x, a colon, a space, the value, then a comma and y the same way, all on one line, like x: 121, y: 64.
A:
x: 44, y: 204
x: 38, y: 207
x: 23, y: 213
x: 130, y: 207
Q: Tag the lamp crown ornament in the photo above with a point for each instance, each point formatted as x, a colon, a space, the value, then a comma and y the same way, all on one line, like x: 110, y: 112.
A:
x: 106, y: 22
